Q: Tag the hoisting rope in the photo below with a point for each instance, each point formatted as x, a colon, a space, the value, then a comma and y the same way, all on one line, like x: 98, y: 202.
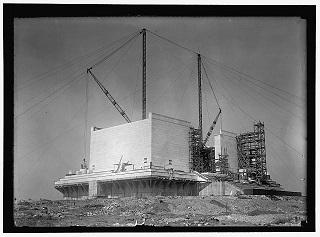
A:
x: 116, y: 50
x: 211, y: 87
x: 86, y: 117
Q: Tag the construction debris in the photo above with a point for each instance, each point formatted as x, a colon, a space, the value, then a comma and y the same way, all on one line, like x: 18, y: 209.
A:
x: 164, y: 211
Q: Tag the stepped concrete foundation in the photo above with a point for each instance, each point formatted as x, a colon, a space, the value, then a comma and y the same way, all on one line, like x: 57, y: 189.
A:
x: 222, y: 187
x: 217, y: 188
x: 136, y: 183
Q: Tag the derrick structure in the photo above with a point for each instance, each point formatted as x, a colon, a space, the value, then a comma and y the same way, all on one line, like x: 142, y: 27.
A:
x: 252, y: 151
x: 208, y: 159
x: 144, y: 74
x: 195, y: 147
x: 201, y: 157
x: 160, y: 155
x: 222, y: 164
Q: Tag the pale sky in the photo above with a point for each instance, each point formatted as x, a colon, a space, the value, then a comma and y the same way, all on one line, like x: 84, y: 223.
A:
x: 50, y: 122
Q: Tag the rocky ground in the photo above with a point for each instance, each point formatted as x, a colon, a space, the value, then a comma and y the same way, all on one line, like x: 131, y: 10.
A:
x: 246, y: 210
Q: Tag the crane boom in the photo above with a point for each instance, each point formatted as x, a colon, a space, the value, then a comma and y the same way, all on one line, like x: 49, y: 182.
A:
x: 211, y: 128
x: 109, y: 96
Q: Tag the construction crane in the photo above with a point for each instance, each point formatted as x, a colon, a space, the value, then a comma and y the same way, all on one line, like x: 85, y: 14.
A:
x: 122, y: 166
x: 109, y: 96
x: 119, y: 165
x: 211, y: 128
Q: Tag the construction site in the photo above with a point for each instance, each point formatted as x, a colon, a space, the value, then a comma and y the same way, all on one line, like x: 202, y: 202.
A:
x: 167, y: 156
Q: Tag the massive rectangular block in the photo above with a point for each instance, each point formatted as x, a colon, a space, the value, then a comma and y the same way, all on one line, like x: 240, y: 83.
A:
x: 170, y: 142
x: 158, y: 139
x: 131, y: 141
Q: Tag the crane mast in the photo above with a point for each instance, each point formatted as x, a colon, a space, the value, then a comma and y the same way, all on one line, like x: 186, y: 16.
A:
x: 212, y: 127
x: 109, y: 96
x: 125, y: 116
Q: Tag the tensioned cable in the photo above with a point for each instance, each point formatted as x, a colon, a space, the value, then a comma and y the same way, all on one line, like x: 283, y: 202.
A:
x: 232, y: 107
x: 56, y: 137
x: 153, y: 79
x: 276, y: 153
x: 135, y: 88
x: 172, y: 42
x: 211, y: 87
x: 171, y: 83
x: 273, y: 133
x: 71, y: 62
x: 187, y: 84
x: 54, y: 73
x: 253, y: 119
x: 185, y: 89
x: 267, y: 98
x: 220, y: 63
x: 230, y: 68
x: 55, y: 91
x: 226, y: 67
x: 39, y: 160
x: 121, y: 58
x: 173, y: 55
x: 116, y: 50
x: 86, y: 88
x: 44, y: 91
x: 70, y: 75
x: 149, y: 82
x: 110, y: 71
x: 265, y: 89
x: 168, y: 55
x: 59, y: 135
x: 117, y: 63
x: 57, y: 95
x: 67, y: 74
x: 65, y: 86
x: 247, y: 92
x: 206, y: 103
x: 133, y: 99
x: 86, y: 117
x: 284, y: 165
x: 165, y: 90
x: 80, y: 74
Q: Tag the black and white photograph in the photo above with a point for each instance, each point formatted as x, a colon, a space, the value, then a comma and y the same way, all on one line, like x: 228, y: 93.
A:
x: 140, y: 121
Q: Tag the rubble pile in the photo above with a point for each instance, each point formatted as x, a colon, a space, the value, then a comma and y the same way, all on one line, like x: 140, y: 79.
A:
x: 243, y: 210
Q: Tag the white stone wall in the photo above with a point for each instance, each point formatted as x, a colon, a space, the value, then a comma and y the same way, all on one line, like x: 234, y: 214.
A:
x: 227, y: 140
x: 217, y: 148
x: 132, y: 140
x: 170, y: 141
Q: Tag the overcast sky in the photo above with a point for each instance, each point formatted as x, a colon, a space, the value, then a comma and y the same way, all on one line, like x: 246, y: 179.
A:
x: 50, y: 117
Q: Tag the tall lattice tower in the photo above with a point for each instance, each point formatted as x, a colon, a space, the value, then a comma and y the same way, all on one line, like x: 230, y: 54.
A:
x: 251, y: 148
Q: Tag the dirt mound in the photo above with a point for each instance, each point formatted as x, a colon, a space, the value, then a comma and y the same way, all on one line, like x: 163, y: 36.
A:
x: 159, y: 207
x: 263, y: 212
x: 162, y: 211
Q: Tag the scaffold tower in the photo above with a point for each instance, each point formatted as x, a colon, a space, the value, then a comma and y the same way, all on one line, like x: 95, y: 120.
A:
x: 251, y: 151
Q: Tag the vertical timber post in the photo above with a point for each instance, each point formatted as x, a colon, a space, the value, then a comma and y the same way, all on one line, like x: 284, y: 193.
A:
x: 144, y: 74
x: 200, y: 96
